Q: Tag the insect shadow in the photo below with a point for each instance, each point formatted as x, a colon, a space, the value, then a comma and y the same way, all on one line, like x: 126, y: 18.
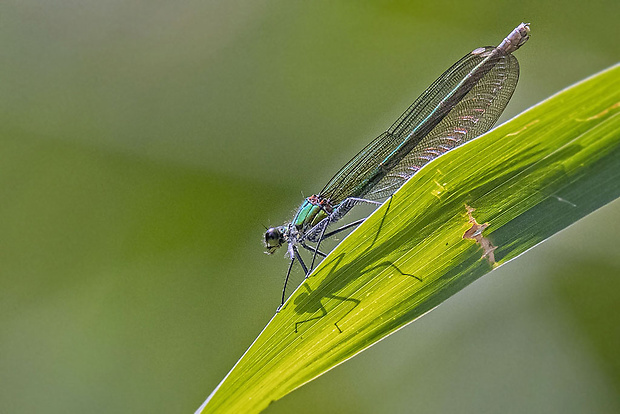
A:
x: 311, y: 301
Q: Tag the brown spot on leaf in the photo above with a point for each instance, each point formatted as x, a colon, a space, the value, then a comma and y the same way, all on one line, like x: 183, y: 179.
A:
x: 475, y: 233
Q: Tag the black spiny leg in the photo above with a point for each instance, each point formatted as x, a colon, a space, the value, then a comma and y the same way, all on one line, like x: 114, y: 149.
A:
x: 318, y: 244
x: 343, y: 228
x: 288, y: 273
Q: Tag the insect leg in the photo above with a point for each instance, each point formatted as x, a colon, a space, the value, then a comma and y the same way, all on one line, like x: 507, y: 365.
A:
x: 312, y: 249
x: 343, y: 228
x: 288, y: 273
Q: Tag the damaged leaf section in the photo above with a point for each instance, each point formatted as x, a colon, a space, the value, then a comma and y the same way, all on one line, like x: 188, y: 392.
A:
x: 475, y: 233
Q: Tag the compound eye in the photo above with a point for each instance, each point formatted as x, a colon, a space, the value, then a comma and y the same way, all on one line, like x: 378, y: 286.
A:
x: 273, y: 239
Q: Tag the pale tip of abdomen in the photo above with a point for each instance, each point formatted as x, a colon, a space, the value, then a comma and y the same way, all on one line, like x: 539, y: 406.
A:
x: 515, y: 39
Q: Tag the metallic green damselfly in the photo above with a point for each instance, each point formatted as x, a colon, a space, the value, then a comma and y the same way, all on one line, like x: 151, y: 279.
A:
x: 463, y: 103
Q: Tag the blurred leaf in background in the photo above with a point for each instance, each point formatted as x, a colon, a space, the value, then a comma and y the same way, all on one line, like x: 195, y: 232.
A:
x: 144, y: 145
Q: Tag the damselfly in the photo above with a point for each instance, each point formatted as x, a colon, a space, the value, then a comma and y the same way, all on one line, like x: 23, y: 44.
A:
x: 463, y: 103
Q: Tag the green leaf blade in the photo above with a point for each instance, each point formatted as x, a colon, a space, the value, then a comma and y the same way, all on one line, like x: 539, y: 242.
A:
x: 521, y: 183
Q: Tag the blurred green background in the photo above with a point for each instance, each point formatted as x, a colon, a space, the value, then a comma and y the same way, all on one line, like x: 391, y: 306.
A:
x: 145, y: 143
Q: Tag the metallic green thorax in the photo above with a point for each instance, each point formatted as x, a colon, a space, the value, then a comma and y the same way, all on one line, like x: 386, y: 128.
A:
x: 309, y: 214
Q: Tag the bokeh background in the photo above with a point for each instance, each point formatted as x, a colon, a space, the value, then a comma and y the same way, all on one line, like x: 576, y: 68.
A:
x: 144, y: 144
